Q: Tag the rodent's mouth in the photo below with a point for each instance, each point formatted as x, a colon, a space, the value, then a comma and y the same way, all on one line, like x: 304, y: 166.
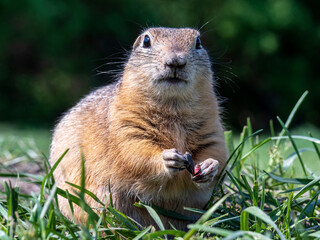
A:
x: 173, y: 80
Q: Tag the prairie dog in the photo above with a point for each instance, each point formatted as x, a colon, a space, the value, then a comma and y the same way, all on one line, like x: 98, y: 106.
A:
x: 136, y: 131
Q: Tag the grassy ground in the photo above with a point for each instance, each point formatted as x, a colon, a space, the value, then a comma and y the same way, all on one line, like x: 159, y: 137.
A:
x: 38, y: 137
x: 271, y: 191
x: 306, y: 151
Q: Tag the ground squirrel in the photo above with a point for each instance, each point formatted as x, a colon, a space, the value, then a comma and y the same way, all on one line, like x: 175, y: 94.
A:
x: 135, y: 133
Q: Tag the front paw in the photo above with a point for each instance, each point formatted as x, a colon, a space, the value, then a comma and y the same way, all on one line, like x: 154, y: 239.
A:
x: 175, y: 161
x: 206, y: 171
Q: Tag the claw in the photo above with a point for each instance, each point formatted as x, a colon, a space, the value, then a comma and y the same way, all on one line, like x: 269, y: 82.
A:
x: 190, y: 168
x: 205, y: 171
x: 198, y: 178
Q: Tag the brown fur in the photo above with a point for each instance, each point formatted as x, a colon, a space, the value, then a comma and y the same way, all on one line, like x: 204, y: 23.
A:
x: 122, y: 130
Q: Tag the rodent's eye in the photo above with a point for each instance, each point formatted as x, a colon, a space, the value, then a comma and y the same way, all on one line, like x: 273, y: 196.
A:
x: 198, y: 43
x: 146, y: 41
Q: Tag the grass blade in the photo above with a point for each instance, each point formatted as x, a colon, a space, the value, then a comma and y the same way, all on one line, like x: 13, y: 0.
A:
x: 310, y: 139
x: 272, y: 128
x: 255, y: 148
x: 153, y: 214
x: 70, y: 202
x: 218, y: 231
x: 288, y: 234
x: 50, y: 174
x: 237, y: 234
x: 289, y: 180
x: 222, y: 174
x: 236, y: 182
x: 170, y: 213
x: 251, y: 194
x: 255, y: 211
x: 22, y: 175
x: 294, y: 146
x: 76, y: 200
x: 144, y: 232
x: 307, y: 187
x: 48, y: 202
x: 263, y: 195
x: 315, y: 146
x: 4, y: 236
x: 123, y: 218
x: 290, y: 118
x: 244, y: 221
x: 156, y: 235
x: 83, y: 177
x: 305, y: 210
x: 206, y: 216
x: 3, y: 212
x: 89, y: 193
x: 228, y: 136
x: 315, y: 235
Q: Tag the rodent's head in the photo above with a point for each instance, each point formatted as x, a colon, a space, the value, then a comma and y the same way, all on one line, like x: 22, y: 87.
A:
x: 169, y: 62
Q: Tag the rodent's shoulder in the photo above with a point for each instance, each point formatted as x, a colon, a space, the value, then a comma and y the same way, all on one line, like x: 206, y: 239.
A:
x: 105, y: 93
x: 93, y: 103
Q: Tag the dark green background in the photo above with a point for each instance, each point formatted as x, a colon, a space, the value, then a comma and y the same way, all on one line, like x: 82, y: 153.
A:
x: 265, y: 53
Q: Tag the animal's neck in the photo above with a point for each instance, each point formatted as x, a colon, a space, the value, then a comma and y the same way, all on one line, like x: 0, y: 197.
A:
x: 169, y: 107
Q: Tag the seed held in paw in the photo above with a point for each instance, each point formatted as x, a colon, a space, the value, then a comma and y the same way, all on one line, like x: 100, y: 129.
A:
x: 190, y: 168
x: 197, y: 170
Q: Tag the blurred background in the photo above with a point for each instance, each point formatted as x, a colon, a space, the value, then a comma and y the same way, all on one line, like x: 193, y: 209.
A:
x: 265, y: 54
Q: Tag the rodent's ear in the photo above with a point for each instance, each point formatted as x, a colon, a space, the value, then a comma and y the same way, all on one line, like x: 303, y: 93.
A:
x: 137, y: 42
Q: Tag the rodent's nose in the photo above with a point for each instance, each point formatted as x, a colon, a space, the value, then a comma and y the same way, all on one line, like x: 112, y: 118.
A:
x: 176, y: 62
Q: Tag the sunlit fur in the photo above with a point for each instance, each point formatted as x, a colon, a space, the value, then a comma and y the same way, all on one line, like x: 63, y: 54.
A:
x: 122, y: 130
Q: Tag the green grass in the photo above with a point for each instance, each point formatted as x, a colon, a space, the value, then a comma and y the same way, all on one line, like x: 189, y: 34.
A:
x: 37, y: 138
x: 288, y: 153
x: 271, y: 191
